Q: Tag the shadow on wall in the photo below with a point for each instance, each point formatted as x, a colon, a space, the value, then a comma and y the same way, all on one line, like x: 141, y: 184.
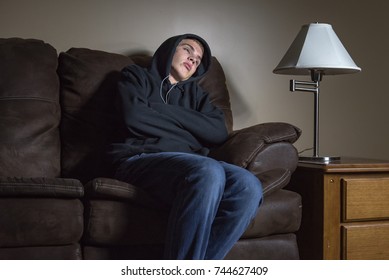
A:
x: 239, y: 105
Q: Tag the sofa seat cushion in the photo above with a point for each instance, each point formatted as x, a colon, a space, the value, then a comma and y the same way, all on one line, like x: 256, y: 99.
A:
x: 40, y: 221
x: 114, y: 223
x: 272, y: 180
x: 118, y: 213
x: 280, y: 212
x: 274, y: 247
x: 62, y: 252
x: 130, y: 252
x: 40, y: 211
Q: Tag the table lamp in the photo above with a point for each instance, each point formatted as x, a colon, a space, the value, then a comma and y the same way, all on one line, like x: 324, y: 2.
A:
x: 316, y: 51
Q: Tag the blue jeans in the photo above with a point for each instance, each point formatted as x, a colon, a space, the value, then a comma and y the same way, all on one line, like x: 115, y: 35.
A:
x: 211, y: 202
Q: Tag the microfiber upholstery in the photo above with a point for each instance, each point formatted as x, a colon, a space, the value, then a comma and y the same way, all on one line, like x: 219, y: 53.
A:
x: 244, y: 145
x: 89, y: 121
x: 40, y: 187
x: 57, y: 197
x: 41, y: 215
x: 40, y: 221
x: 29, y: 109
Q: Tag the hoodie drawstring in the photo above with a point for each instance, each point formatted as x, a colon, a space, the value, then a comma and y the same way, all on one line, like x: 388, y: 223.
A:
x: 167, y: 94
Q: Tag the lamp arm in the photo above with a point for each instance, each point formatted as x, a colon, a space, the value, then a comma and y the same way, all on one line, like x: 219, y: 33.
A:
x: 311, y: 87
x: 304, y: 86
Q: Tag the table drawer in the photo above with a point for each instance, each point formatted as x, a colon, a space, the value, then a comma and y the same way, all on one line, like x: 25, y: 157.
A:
x: 366, y: 242
x: 365, y: 198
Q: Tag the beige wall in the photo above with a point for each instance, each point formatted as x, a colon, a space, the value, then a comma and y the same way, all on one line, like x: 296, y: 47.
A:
x: 249, y: 37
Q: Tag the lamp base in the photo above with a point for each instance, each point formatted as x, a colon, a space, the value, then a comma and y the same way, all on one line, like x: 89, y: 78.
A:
x: 319, y: 159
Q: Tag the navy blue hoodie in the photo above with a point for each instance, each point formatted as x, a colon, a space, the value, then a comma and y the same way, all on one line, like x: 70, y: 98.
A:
x: 161, y: 117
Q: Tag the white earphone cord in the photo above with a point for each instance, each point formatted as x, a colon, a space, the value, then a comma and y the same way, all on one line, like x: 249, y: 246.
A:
x: 167, y: 94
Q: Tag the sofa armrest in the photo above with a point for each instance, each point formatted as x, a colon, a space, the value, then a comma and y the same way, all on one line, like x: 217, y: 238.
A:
x: 266, y: 150
x: 40, y: 187
x: 243, y: 146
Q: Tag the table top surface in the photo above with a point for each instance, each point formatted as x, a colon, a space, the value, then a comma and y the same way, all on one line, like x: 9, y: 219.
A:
x: 346, y: 164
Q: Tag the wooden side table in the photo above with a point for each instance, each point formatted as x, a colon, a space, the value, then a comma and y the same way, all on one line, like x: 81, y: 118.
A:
x: 345, y: 209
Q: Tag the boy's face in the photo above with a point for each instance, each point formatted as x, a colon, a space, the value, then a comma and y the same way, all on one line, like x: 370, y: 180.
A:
x: 186, y: 59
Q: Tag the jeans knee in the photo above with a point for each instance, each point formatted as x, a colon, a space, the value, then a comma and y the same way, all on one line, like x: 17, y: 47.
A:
x: 207, y: 176
x: 251, y: 188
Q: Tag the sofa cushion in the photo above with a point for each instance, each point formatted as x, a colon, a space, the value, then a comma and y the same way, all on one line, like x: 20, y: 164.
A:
x: 29, y: 109
x: 116, y: 216
x: 273, y: 247
x: 106, y: 188
x: 115, y: 223
x: 279, y: 213
x: 214, y: 82
x: 40, y: 221
x: 89, y: 121
x: 129, y: 252
x: 63, y: 252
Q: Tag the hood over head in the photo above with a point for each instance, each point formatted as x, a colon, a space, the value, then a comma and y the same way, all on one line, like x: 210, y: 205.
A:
x: 163, y: 57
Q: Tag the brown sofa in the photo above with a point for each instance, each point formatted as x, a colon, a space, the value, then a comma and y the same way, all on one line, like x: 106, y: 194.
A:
x: 57, y: 200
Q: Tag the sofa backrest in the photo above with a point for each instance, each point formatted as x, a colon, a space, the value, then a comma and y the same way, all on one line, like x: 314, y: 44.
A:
x: 88, y: 82
x: 29, y: 109
x: 89, y: 120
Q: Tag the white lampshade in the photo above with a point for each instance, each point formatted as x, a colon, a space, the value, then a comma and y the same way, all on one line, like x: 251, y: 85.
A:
x: 316, y: 47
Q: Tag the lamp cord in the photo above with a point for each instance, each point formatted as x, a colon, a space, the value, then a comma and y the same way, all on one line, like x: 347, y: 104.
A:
x: 308, y: 149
